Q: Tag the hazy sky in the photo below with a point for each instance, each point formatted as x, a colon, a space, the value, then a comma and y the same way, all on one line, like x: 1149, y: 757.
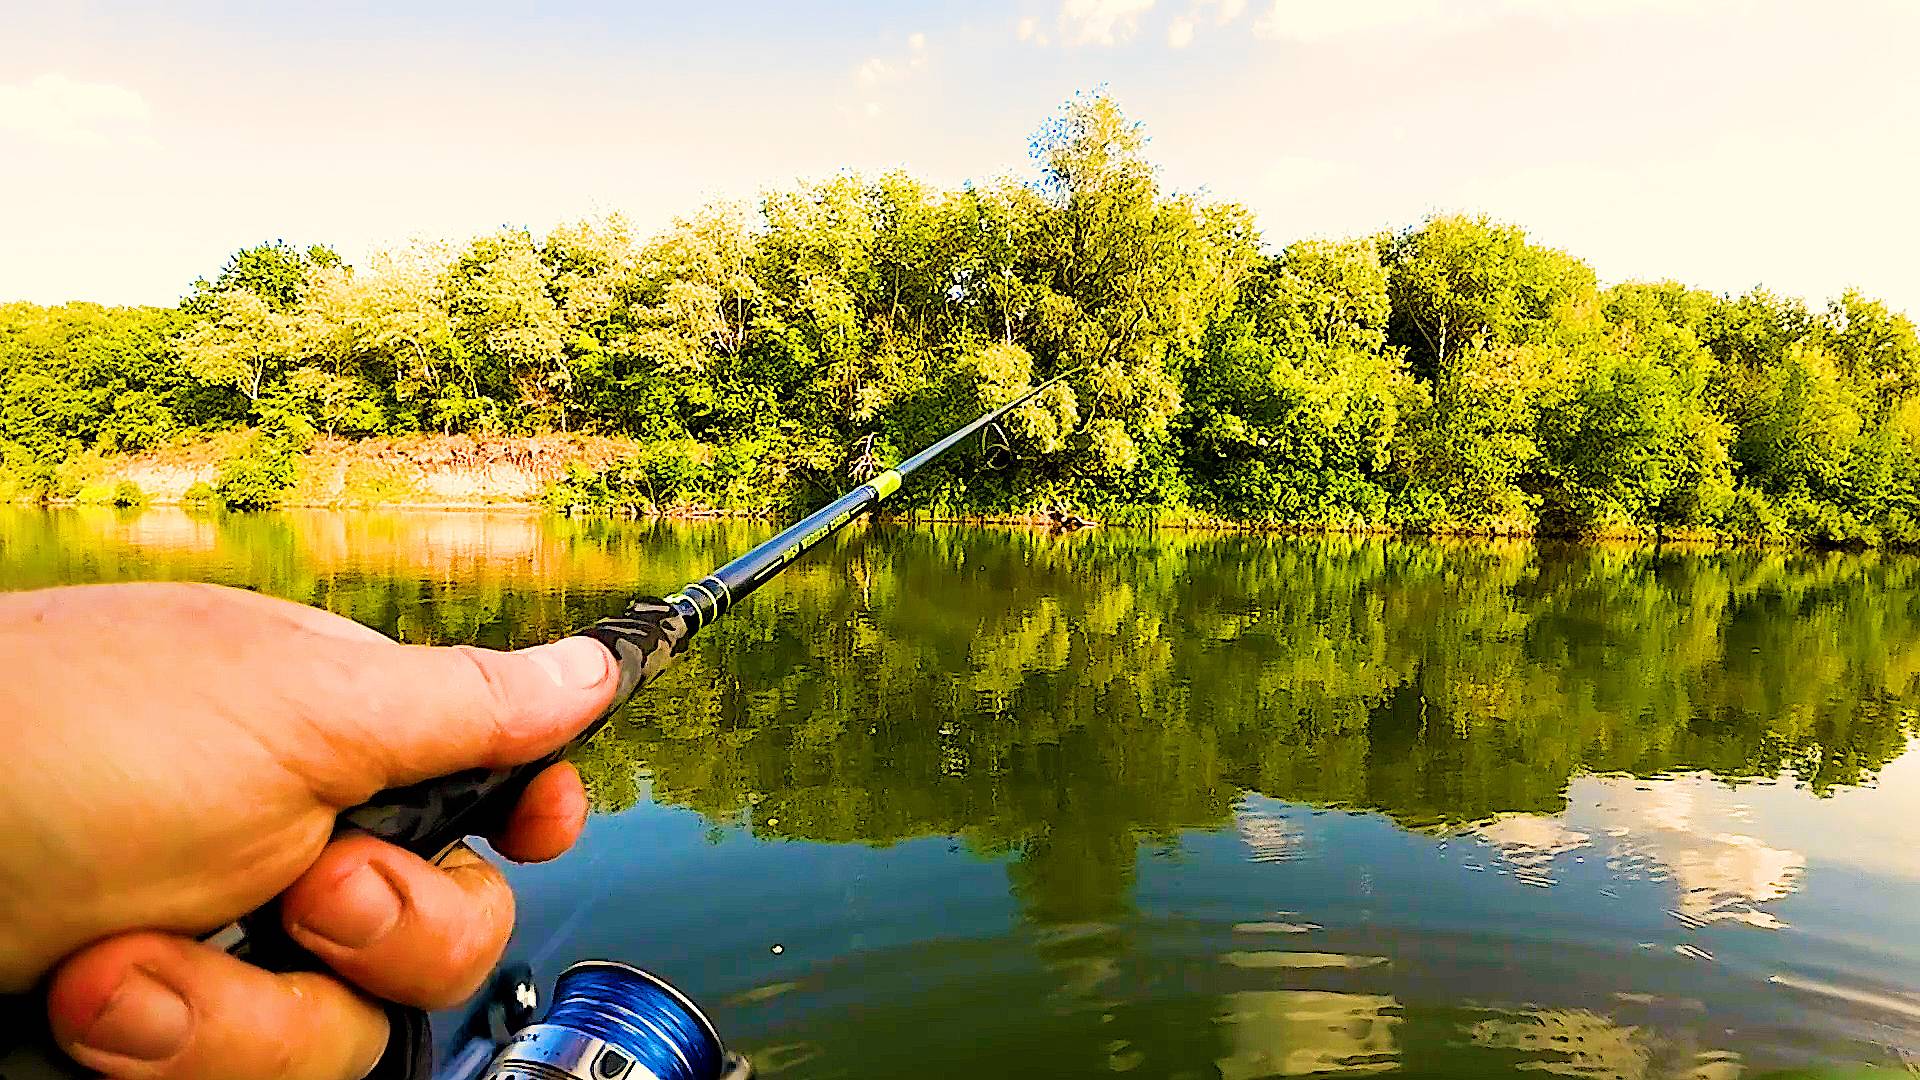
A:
x: 1727, y: 144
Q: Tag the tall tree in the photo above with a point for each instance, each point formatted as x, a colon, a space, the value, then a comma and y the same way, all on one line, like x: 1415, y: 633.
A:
x: 241, y: 340
x: 276, y: 272
x: 510, y: 331
x: 1457, y: 282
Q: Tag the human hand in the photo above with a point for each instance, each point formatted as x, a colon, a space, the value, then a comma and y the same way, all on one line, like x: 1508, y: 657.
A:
x: 179, y: 755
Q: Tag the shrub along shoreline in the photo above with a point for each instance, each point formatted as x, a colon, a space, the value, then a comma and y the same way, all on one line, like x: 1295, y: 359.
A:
x: 1452, y: 377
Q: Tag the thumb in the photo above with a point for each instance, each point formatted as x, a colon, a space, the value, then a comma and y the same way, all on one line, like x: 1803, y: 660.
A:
x: 423, y: 711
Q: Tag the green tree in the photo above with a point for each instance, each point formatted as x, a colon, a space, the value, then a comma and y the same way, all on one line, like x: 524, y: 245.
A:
x: 1131, y: 278
x: 242, y: 341
x: 1296, y: 402
x: 1457, y: 283
x: 1635, y: 443
x: 510, y: 332
x: 402, y: 324
x: 276, y: 272
x: 1875, y: 347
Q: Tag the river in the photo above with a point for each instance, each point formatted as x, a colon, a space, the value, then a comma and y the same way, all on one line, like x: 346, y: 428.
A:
x: 958, y: 802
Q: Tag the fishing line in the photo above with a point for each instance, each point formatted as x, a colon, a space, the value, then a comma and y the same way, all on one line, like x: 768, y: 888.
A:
x: 653, y: 1023
x: 614, y: 1022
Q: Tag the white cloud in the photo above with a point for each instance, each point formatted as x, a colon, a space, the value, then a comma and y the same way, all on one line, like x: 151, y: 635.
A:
x: 1180, y: 33
x: 1101, y: 22
x: 1224, y: 11
x: 1306, y: 20
x: 1312, y: 20
x: 878, y: 71
x: 55, y: 109
x: 1680, y: 828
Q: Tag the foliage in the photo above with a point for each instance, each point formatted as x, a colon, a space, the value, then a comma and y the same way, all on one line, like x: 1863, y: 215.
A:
x: 1454, y: 375
x: 258, y: 473
x: 276, y: 272
x: 1296, y: 403
x: 661, y: 476
x: 199, y: 493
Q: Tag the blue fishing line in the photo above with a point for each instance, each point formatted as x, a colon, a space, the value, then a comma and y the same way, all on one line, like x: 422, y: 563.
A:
x: 641, y: 1017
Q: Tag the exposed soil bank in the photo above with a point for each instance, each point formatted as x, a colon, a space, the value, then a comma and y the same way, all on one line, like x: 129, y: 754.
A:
x: 442, y: 471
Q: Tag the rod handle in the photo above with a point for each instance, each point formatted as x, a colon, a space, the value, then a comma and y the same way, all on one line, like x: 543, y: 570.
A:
x: 426, y: 818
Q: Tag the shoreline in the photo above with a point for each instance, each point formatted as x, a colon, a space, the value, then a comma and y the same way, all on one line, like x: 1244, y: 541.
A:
x: 512, y: 475
x: 1690, y: 540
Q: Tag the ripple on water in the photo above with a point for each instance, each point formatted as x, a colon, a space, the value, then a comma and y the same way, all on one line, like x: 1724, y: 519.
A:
x: 1287, y: 959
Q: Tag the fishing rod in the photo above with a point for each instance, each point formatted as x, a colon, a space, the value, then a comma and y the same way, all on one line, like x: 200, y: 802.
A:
x: 608, y: 1021
x: 644, y: 639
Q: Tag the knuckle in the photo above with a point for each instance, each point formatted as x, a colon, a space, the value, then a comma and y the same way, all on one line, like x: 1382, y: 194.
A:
x: 493, y: 698
x: 282, y: 1058
x: 313, y: 1014
x: 479, y: 932
x: 451, y: 943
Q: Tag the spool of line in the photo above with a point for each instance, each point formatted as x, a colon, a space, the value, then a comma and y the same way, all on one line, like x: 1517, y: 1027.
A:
x: 610, y: 1021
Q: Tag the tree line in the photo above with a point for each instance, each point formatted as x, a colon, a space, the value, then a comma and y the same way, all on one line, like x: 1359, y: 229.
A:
x: 1452, y: 375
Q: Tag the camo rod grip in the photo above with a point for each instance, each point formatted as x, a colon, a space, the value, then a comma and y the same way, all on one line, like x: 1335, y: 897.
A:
x: 429, y: 816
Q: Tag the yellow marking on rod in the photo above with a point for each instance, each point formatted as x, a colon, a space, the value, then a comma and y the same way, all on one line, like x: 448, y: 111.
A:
x: 886, y: 483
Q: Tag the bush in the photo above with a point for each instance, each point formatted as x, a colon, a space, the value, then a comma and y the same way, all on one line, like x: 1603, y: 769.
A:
x: 1900, y: 530
x: 127, y: 493
x: 1751, y: 516
x: 98, y: 493
x: 122, y: 493
x: 200, y: 493
x: 660, y: 476
x: 1419, y: 510
x: 1824, y: 524
x: 258, y: 476
x: 81, y: 477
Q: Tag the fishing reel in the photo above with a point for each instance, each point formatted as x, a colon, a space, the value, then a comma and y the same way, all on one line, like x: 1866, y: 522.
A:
x: 608, y: 1021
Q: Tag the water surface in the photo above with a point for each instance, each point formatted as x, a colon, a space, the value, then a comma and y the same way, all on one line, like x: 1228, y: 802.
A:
x: 980, y: 803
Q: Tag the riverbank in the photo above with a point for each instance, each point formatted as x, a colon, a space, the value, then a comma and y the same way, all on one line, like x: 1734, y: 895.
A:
x: 518, y: 473
x: 444, y: 472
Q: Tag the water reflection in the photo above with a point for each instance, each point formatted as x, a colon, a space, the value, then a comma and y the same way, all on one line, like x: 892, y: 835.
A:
x: 1203, y: 805
x: 1579, y: 1043
x: 1659, y: 830
x: 1304, y: 1032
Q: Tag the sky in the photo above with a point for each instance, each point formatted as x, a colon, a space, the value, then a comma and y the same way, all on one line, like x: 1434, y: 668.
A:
x: 1728, y: 144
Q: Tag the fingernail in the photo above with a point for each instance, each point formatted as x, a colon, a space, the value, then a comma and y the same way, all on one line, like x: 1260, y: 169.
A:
x: 145, y: 1020
x: 577, y: 663
x: 363, y: 907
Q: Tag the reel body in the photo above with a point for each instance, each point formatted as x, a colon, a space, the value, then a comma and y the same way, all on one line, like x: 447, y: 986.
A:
x: 608, y: 1021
